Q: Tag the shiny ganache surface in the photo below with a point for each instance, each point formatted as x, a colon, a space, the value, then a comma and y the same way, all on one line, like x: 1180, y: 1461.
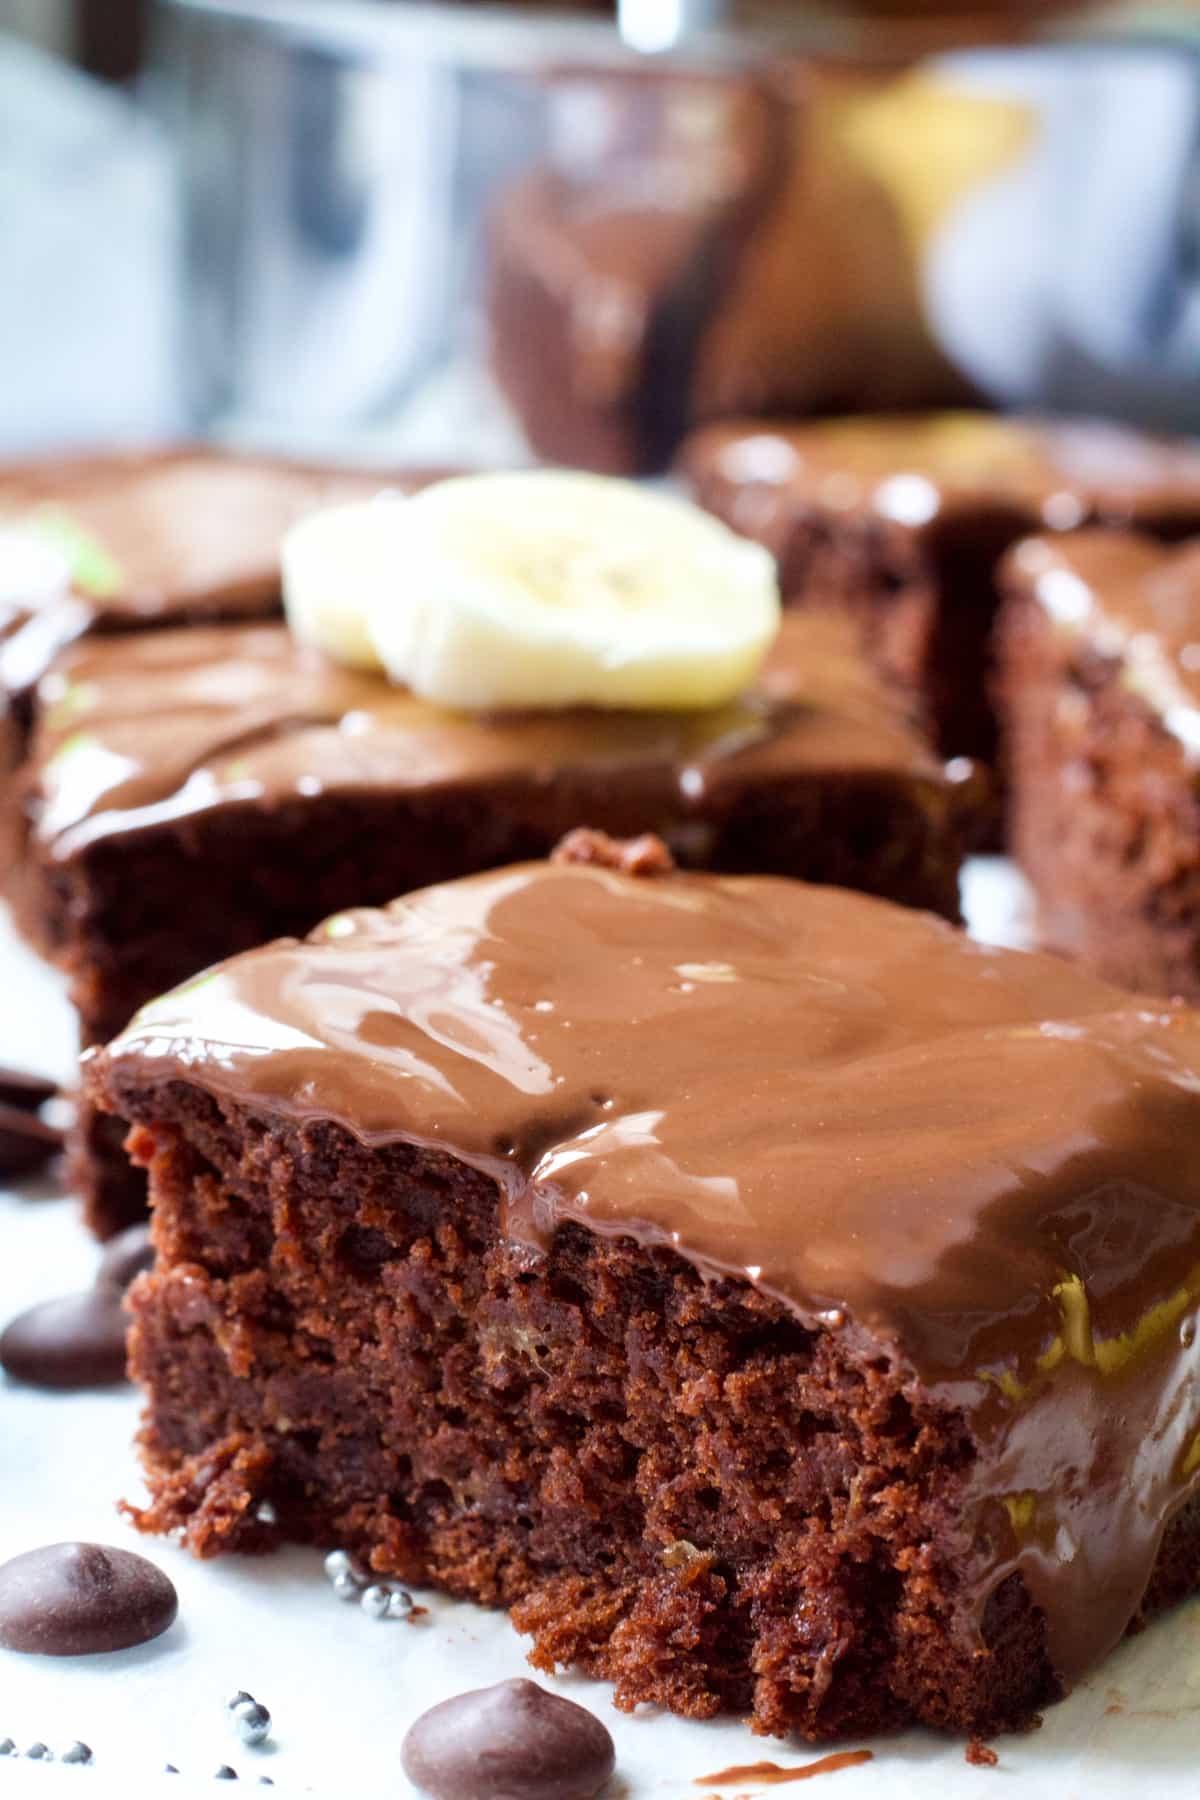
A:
x: 1126, y: 598
x: 971, y: 1161
x: 134, y: 735
x: 147, y: 538
x: 910, y: 469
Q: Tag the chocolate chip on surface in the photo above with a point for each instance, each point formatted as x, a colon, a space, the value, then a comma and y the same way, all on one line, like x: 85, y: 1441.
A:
x: 26, y: 1141
x: 75, y: 1342
x: 79, y: 1599
x: 20, y: 1088
x: 125, y: 1257
x: 513, y: 1741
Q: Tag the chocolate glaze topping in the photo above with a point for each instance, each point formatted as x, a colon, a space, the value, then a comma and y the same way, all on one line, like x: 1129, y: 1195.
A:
x: 134, y: 734
x: 186, y: 533
x: 910, y: 469
x: 971, y: 1162
x: 1131, y: 600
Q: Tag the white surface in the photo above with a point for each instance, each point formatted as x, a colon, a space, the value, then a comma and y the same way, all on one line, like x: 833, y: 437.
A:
x: 343, y: 1689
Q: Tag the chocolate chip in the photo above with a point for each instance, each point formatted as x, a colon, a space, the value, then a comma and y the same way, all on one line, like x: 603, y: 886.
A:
x: 26, y: 1141
x: 125, y: 1257
x: 27, y: 1092
x: 510, y: 1742
x: 76, y: 1342
x: 77, y: 1599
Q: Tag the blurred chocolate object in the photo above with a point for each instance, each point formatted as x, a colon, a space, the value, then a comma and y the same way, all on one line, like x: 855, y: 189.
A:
x: 787, y: 208
x: 716, y: 246
x: 842, y: 238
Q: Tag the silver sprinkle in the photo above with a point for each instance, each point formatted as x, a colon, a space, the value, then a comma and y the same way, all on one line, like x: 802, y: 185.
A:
x: 76, y: 1753
x: 252, y: 1722
x: 170, y: 1769
x: 7, y: 1747
x: 401, y: 1604
x: 338, y: 1562
x: 265, y: 1513
x: 346, y: 1587
x: 375, y: 1602
x: 265, y: 1781
x: 225, y: 1773
x: 238, y: 1699
x: 39, y: 1753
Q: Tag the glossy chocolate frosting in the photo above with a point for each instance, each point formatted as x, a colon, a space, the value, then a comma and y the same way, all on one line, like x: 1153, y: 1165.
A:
x: 910, y: 469
x: 1124, y: 597
x: 971, y: 1162
x: 136, y: 733
x: 143, y: 539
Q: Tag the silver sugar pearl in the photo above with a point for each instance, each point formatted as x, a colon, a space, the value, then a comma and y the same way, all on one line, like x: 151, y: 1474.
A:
x: 238, y: 1699
x: 170, y: 1769
x: 39, y: 1753
x: 76, y: 1753
x: 265, y: 1513
x: 7, y: 1747
x: 265, y: 1781
x: 346, y: 1587
x: 401, y: 1604
x: 252, y: 1722
x: 225, y: 1773
x: 338, y: 1562
x: 375, y: 1602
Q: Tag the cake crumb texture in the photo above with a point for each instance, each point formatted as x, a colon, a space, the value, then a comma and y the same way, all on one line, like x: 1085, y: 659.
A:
x: 673, y: 1484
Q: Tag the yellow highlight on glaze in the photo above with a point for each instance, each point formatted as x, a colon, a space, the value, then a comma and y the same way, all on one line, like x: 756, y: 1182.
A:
x: 1108, y: 1355
x: 1020, y: 1509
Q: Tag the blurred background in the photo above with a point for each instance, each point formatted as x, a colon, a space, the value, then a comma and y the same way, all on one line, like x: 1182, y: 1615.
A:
x: 405, y: 230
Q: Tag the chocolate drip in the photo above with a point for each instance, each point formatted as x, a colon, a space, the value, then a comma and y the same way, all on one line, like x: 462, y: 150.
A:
x: 970, y: 1161
x: 771, y: 1774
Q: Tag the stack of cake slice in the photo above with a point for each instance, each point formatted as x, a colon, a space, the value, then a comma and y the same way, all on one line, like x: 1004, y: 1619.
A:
x: 188, y: 794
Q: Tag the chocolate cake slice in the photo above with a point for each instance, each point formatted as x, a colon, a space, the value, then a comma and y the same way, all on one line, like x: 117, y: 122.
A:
x: 781, y: 1302
x: 109, y: 544
x: 194, y: 793
x: 171, y: 536
x: 1099, y: 693
x: 683, y: 253
x: 902, y: 522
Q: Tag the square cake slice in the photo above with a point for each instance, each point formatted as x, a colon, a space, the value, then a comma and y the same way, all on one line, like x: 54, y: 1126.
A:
x: 902, y: 521
x: 1099, y: 690
x: 194, y: 793
x: 120, y: 542
x: 779, y: 1301
x: 105, y: 545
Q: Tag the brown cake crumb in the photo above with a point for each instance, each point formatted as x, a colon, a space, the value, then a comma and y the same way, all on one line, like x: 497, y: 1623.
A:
x: 980, y: 1755
x: 644, y: 855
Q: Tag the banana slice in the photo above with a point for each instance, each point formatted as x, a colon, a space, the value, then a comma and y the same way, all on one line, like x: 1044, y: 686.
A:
x: 551, y: 589
x: 338, y: 563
